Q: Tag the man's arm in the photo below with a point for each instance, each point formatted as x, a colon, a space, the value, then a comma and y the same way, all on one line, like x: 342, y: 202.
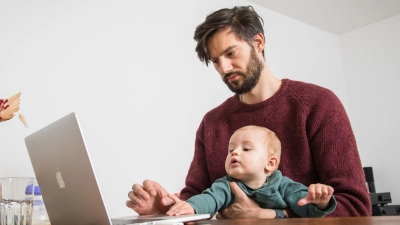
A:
x: 334, y: 150
x: 198, y: 178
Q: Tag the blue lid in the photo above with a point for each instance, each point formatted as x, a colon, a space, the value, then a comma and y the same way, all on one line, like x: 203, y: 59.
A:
x: 28, y: 190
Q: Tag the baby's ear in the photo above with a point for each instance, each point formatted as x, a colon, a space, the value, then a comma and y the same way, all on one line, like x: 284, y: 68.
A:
x: 272, y: 164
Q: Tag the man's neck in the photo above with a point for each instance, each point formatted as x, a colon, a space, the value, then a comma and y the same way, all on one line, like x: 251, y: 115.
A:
x: 267, y: 86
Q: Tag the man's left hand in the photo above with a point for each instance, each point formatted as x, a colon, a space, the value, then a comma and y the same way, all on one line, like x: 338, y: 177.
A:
x: 244, y: 207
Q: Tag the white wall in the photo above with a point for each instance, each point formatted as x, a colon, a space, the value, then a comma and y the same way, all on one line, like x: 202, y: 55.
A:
x: 130, y: 72
x: 371, y: 62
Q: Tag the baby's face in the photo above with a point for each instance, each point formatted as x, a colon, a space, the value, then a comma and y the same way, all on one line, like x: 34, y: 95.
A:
x: 247, y: 155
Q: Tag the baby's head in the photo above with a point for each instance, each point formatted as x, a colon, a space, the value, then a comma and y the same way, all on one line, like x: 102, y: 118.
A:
x: 253, y: 153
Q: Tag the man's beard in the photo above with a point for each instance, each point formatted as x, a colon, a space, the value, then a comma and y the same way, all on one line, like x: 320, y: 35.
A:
x: 251, y: 76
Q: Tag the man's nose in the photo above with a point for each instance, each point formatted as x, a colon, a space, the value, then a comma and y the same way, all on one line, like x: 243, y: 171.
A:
x: 225, y: 66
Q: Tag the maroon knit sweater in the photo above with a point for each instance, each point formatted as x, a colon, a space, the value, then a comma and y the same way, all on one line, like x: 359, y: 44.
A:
x: 318, y: 144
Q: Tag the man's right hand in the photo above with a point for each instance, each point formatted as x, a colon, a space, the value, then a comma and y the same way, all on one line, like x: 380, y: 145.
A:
x: 148, y: 199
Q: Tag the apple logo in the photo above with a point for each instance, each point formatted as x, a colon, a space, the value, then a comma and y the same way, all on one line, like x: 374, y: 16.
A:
x: 59, y: 178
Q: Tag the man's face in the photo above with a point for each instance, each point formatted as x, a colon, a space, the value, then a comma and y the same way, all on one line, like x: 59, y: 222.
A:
x: 235, y: 60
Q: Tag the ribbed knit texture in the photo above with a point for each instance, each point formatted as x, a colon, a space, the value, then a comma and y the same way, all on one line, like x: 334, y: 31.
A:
x: 278, y: 192
x: 318, y: 144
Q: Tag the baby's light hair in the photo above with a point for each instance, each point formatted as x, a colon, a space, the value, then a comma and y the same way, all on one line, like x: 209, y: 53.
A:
x: 272, y: 141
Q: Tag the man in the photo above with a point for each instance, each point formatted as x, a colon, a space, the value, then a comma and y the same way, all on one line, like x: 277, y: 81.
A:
x: 318, y: 144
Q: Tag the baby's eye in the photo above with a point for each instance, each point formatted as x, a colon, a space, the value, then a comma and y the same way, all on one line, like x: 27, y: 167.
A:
x: 230, y: 151
x: 246, y: 149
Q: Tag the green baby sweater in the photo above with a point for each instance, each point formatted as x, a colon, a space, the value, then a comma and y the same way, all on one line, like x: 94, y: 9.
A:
x: 278, y: 192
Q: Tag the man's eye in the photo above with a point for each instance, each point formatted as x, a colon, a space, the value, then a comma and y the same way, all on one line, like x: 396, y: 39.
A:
x: 214, y: 62
x: 231, y: 53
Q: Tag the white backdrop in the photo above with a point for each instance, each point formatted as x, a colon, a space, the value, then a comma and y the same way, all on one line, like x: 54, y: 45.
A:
x: 371, y: 62
x: 130, y: 72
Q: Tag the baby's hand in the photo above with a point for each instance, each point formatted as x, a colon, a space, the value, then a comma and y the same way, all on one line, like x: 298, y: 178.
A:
x: 180, y: 207
x: 318, y: 194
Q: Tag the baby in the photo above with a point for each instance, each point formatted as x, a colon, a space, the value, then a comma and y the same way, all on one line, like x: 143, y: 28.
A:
x: 252, y: 162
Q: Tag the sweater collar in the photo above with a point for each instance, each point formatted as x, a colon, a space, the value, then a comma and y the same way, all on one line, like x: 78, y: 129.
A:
x: 269, y: 101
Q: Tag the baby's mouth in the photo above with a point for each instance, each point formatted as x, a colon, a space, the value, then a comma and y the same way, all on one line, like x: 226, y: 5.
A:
x: 234, y: 161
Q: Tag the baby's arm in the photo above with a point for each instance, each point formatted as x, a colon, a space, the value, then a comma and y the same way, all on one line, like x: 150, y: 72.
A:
x: 180, y: 207
x: 319, y: 195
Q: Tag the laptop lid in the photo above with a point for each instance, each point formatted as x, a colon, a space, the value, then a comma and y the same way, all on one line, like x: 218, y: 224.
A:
x: 67, y: 179
x: 65, y: 175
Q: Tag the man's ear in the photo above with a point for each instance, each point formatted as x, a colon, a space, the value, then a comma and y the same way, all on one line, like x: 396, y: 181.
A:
x: 259, y: 42
x: 272, y: 164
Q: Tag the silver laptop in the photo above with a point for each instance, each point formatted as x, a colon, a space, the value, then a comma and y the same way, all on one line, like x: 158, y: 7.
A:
x: 68, y: 182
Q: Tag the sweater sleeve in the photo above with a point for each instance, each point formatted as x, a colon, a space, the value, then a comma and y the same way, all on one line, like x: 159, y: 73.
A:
x: 334, y: 150
x: 212, y: 199
x: 293, y: 192
x: 197, y: 179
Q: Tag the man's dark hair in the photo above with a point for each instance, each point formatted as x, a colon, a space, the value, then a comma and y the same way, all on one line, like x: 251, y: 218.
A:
x: 242, y: 20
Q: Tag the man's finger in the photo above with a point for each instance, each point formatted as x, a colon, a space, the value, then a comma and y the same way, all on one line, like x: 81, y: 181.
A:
x: 219, y: 216
x: 235, y: 189
x: 151, y: 187
x: 138, y: 194
x: 133, y: 206
x: 130, y: 204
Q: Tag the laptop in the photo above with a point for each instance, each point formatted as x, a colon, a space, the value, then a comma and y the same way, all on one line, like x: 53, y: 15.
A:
x: 67, y: 180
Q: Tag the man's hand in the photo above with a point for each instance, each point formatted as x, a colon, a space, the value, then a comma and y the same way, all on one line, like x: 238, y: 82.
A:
x: 180, y: 207
x: 148, y: 199
x: 244, y: 207
x: 318, y: 194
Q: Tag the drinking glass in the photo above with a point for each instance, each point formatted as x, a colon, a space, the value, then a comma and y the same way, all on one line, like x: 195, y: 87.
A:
x: 16, y: 197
